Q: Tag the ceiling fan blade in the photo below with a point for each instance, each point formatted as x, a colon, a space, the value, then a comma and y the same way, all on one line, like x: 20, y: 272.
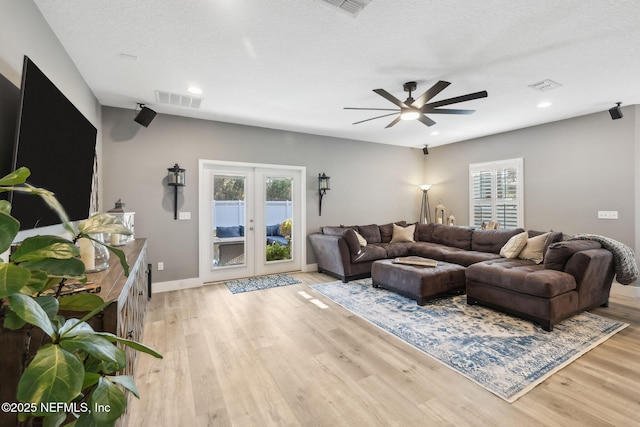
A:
x: 386, y: 95
x: 430, y: 93
x: 448, y: 111
x: 393, y: 122
x: 463, y: 98
x: 426, y: 120
x: 373, y: 118
x: 373, y: 109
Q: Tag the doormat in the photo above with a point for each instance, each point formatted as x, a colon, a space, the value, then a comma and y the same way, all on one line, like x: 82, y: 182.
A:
x: 260, y: 282
x: 506, y: 355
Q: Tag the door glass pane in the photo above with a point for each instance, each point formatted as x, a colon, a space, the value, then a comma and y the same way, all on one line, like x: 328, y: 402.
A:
x: 229, y: 218
x: 278, y: 217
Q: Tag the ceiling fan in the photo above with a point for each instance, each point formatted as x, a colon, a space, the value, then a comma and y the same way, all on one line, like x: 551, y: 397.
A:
x: 417, y: 109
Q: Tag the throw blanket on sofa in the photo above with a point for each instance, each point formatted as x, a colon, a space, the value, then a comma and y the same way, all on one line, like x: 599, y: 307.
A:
x: 623, y: 256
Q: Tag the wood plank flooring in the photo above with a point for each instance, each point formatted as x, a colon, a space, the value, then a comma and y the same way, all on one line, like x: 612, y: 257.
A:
x: 272, y: 358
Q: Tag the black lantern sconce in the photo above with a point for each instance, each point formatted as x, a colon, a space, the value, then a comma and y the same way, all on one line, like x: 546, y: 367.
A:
x: 175, y: 179
x: 323, y: 186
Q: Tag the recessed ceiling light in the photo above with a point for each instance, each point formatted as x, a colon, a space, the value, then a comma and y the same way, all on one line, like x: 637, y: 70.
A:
x: 544, y: 104
x: 195, y: 90
x: 435, y: 132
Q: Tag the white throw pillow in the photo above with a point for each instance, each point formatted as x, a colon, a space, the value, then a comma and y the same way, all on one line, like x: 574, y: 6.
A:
x: 512, y: 248
x: 403, y: 234
x: 361, y: 240
x: 534, y: 248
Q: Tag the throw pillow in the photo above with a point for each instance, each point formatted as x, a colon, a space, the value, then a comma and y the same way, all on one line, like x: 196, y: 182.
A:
x: 361, y: 240
x: 403, y: 234
x: 534, y: 249
x: 514, y: 245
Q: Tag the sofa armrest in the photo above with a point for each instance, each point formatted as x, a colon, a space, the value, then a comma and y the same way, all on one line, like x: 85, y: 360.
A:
x: 332, y: 253
x: 593, y: 270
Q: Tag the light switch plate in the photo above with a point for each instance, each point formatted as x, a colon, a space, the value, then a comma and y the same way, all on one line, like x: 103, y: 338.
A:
x: 607, y: 214
x: 184, y: 215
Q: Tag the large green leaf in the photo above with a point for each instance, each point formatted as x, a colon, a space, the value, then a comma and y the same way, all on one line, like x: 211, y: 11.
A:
x: 12, y: 321
x: 80, y: 302
x: 103, y: 223
x: 9, y: 228
x: 133, y: 344
x: 107, y: 395
x: 39, y: 247
x: 17, y: 177
x: 96, y: 345
x: 73, y: 327
x: 71, y: 268
x: 49, y: 304
x: 54, y: 375
x: 37, y: 283
x: 12, y: 278
x: 30, y: 311
x: 127, y: 382
x: 5, y: 207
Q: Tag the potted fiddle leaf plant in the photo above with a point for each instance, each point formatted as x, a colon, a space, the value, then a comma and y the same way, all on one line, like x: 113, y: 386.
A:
x: 73, y: 378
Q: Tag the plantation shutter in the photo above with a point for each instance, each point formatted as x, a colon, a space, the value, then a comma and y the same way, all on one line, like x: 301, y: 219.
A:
x: 496, y: 193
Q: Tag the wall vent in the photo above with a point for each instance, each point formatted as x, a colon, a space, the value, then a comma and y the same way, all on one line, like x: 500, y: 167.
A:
x: 352, y: 7
x: 545, y: 85
x: 177, y: 99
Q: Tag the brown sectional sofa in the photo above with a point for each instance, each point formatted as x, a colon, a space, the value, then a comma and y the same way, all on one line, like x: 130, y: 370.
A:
x: 574, y: 276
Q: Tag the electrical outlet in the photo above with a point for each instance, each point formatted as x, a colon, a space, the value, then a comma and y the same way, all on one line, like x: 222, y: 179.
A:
x: 160, y: 266
x: 184, y: 215
x: 607, y: 214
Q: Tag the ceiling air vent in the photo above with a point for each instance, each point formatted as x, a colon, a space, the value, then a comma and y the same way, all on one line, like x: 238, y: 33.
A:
x: 545, y: 85
x: 352, y: 7
x: 177, y: 99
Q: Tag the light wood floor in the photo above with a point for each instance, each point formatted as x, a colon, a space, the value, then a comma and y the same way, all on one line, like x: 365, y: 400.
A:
x: 272, y: 358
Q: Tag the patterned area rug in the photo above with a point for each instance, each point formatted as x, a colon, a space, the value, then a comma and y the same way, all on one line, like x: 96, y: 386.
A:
x: 260, y: 282
x: 505, y: 355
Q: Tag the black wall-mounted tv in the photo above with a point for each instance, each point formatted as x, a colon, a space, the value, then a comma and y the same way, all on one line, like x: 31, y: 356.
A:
x: 57, y: 143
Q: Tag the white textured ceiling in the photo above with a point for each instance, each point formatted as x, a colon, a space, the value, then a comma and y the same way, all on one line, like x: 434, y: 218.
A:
x: 294, y: 64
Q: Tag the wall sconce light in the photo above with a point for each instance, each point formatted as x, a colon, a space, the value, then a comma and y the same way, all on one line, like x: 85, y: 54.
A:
x: 175, y: 179
x: 323, y: 186
x: 425, y: 215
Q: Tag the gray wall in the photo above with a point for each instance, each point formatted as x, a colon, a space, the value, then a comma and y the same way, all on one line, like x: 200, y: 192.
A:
x: 370, y: 183
x: 23, y: 31
x: 572, y: 169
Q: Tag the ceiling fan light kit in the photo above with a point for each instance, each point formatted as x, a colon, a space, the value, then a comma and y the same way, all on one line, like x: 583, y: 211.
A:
x: 417, y: 109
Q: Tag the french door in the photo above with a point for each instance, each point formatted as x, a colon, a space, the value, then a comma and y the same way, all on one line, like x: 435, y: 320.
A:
x: 251, y: 220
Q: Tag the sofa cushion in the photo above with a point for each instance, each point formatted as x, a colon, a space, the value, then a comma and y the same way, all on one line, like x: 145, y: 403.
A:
x: 348, y: 234
x: 395, y: 250
x: 431, y: 250
x: 273, y: 230
x: 455, y: 236
x: 386, y: 230
x: 370, y: 232
x: 522, y: 276
x: 534, y: 249
x: 554, y: 236
x: 403, y: 234
x: 231, y: 231
x: 492, y: 240
x: 466, y: 258
x: 371, y: 252
x: 514, y: 246
x: 423, y: 232
x: 559, y: 253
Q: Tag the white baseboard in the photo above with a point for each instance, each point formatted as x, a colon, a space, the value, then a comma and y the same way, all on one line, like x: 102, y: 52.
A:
x: 175, y: 285
x: 310, y: 267
x: 625, y: 290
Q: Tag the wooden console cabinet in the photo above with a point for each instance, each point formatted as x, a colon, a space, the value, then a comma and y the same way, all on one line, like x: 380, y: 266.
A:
x: 125, y: 318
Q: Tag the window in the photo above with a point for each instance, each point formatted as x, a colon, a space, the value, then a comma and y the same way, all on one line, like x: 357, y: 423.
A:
x: 495, y: 193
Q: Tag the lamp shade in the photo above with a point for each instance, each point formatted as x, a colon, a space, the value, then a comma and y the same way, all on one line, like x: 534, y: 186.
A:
x: 425, y: 187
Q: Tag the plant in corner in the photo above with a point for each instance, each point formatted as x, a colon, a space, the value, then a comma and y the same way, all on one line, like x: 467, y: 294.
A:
x: 75, y: 371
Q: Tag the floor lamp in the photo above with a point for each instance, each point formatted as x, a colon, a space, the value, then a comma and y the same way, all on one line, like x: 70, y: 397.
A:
x: 425, y: 216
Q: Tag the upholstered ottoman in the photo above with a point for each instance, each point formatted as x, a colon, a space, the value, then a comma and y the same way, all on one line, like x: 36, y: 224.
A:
x: 418, y: 282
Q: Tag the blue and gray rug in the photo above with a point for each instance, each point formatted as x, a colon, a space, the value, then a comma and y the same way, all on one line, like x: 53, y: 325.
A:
x: 505, y: 355
x: 260, y: 282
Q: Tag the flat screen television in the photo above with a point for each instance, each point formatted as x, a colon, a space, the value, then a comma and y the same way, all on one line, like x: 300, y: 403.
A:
x: 57, y: 143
